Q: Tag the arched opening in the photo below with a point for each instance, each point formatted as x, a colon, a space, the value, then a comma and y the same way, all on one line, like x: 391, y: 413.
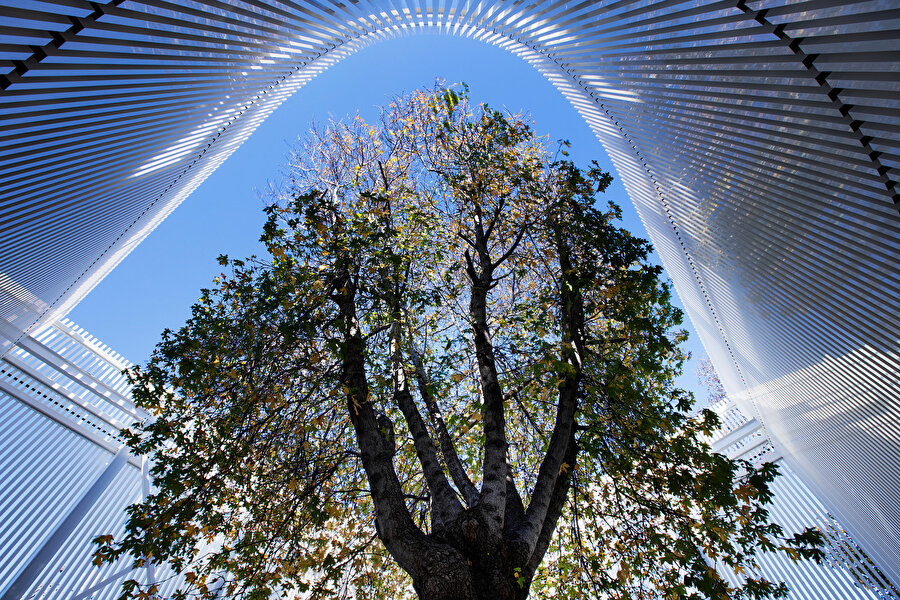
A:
x: 228, y: 203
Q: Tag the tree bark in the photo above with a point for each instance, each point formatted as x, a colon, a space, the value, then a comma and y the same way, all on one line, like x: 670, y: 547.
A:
x: 403, y: 539
x: 448, y: 449
x: 446, y: 506
x: 494, y: 468
x: 555, y: 465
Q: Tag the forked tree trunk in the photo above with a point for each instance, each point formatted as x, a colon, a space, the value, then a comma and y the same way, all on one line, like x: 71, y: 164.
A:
x: 465, y: 562
x: 449, y: 576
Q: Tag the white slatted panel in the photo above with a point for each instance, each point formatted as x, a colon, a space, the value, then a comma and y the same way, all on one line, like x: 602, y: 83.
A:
x: 45, y: 468
x: 847, y: 574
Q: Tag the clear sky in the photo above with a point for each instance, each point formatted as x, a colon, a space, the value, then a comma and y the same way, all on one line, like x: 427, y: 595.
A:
x: 154, y: 287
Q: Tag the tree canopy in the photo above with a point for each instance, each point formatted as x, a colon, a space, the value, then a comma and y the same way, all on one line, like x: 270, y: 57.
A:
x: 451, y: 377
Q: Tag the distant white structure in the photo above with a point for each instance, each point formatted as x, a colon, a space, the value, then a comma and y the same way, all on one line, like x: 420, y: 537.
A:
x: 67, y: 476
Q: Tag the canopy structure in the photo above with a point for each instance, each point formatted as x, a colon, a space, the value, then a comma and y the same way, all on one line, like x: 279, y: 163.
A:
x: 758, y: 141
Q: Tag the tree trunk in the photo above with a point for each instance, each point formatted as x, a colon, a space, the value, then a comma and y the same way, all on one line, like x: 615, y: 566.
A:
x: 465, y: 561
x: 449, y: 575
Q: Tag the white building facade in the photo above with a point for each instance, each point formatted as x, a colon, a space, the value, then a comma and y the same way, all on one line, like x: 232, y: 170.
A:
x: 757, y: 139
x: 67, y: 476
x: 848, y: 573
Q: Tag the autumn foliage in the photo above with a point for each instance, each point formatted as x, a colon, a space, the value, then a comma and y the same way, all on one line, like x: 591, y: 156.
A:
x: 452, y: 377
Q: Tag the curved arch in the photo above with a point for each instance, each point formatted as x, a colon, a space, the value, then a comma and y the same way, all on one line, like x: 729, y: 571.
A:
x: 758, y: 144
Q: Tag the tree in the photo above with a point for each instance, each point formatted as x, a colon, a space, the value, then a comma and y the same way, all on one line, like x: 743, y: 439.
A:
x: 453, y: 368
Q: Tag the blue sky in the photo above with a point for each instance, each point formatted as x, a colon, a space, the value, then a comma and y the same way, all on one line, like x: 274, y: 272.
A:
x: 154, y: 287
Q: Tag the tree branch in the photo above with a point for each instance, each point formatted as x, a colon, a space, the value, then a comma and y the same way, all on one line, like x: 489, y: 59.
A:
x: 395, y: 526
x: 515, y: 508
x: 495, y: 217
x: 512, y: 247
x: 466, y: 239
x: 572, y: 349
x: 446, y: 506
x: 448, y: 449
x: 384, y: 178
x: 493, y: 486
x: 554, y: 509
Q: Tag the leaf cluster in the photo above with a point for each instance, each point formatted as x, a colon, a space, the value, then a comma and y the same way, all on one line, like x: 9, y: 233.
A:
x: 258, y: 476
